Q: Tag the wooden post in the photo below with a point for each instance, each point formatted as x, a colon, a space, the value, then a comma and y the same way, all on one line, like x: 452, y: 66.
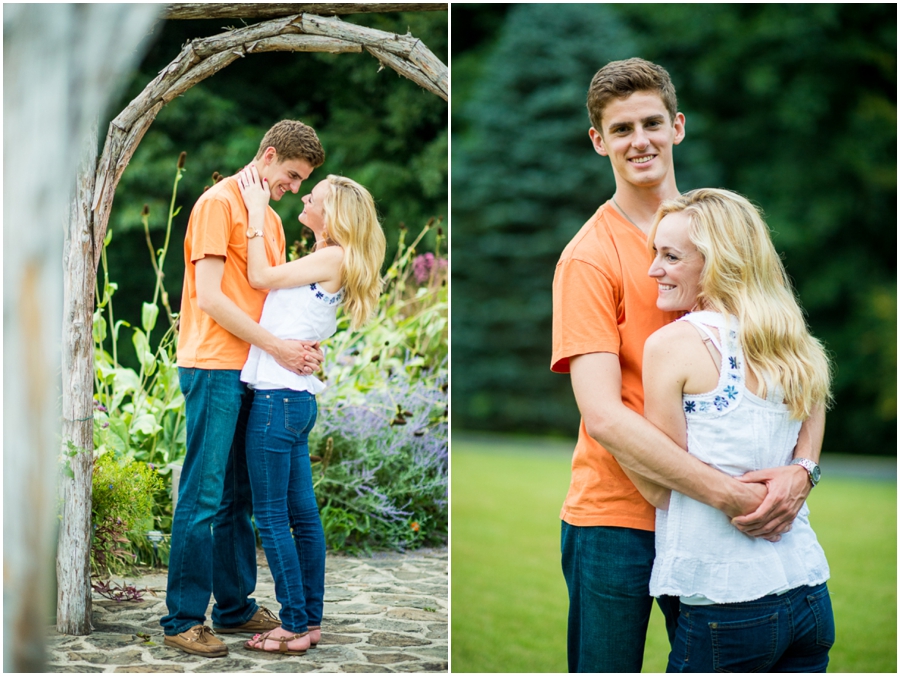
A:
x: 73, y: 556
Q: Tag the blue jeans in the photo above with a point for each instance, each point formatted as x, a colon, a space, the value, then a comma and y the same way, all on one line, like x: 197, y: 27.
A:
x: 213, y: 544
x: 788, y: 632
x: 607, y: 571
x: 284, y: 502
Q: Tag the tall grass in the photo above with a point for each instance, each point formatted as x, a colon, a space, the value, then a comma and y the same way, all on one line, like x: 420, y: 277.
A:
x: 509, y: 598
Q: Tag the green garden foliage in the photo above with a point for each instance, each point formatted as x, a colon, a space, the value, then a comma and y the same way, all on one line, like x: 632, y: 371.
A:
x: 121, y: 504
x: 793, y: 106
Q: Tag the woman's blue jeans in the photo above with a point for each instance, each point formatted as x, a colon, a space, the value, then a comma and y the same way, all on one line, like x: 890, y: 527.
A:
x: 284, y: 502
x: 790, y: 632
x: 213, y: 544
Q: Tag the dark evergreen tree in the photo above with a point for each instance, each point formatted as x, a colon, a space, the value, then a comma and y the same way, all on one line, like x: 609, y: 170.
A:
x: 525, y: 179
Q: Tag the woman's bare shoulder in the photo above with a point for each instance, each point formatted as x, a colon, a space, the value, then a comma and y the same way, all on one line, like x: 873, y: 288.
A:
x: 332, y: 251
x: 673, y: 335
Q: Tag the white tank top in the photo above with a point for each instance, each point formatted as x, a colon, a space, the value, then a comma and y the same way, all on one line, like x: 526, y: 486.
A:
x: 700, y: 556
x: 302, y: 313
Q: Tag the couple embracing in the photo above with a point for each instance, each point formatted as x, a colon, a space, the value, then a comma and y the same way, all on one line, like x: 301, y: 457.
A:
x: 249, y: 343
x: 676, y: 320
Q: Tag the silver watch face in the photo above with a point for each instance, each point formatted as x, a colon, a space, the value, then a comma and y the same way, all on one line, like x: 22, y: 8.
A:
x: 816, y: 474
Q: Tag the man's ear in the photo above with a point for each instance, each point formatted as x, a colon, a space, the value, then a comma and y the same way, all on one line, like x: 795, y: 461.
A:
x: 679, y: 128
x: 597, y: 142
x: 270, y: 155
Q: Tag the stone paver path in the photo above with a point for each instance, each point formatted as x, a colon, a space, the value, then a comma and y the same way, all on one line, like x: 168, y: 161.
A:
x: 383, y: 614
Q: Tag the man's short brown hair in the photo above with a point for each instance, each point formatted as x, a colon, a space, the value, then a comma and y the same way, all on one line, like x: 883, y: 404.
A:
x: 293, y: 140
x: 620, y: 79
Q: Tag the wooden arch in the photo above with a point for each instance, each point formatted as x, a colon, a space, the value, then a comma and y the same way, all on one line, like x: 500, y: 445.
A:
x: 92, y: 204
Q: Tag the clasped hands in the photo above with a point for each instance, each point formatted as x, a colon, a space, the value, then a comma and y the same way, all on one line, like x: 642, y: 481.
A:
x: 303, y: 357
x: 783, y: 491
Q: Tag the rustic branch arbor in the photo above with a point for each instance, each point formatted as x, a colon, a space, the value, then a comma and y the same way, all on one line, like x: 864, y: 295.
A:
x: 295, y: 27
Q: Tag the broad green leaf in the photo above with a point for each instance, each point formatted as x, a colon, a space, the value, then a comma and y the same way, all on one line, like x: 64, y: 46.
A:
x: 142, y: 349
x: 149, y: 313
x: 117, y: 437
x: 99, y: 327
x: 176, y: 403
x: 146, y: 424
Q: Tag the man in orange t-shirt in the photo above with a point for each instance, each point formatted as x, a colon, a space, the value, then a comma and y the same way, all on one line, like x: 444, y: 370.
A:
x: 213, y: 547
x: 604, y: 309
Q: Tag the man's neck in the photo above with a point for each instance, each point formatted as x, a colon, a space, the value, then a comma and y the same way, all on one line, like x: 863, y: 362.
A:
x: 638, y: 205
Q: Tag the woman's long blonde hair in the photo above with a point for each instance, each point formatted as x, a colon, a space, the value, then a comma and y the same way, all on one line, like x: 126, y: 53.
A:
x: 352, y: 223
x: 744, y: 276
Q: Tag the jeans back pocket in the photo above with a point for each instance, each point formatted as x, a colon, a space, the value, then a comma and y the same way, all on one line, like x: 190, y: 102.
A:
x: 300, y: 413
x: 746, y: 645
x: 820, y: 604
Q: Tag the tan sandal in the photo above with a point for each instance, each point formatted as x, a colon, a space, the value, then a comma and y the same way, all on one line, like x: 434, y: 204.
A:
x: 310, y: 630
x: 282, y: 643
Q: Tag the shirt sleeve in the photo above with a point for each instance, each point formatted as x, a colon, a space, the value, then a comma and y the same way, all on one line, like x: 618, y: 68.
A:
x: 586, y: 313
x: 211, y: 229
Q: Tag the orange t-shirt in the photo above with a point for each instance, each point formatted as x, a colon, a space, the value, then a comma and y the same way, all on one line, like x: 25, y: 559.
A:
x: 218, y: 227
x: 604, y: 301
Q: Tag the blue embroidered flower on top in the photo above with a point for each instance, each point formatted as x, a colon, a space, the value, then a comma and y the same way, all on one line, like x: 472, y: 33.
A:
x: 731, y: 391
x: 721, y: 403
x: 331, y: 299
x: 733, y: 362
x: 689, y: 406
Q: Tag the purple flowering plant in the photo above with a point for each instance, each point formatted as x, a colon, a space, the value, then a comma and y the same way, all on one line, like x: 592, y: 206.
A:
x: 382, y: 429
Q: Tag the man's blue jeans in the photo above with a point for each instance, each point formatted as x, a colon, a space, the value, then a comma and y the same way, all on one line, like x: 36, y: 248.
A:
x: 213, y: 544
x: 607, y: 571
x: 284, y: 502
x: 790, y: 632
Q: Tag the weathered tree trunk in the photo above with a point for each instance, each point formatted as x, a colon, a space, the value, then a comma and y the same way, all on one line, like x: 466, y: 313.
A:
x: 271, y: 10
x: 73, y: 556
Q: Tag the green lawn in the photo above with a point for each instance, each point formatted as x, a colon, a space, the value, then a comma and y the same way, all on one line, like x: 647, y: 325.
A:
x: 508, y: 595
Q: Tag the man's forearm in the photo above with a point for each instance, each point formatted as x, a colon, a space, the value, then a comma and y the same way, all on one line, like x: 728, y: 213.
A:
x: 642, y: 448
x: 230, y: 317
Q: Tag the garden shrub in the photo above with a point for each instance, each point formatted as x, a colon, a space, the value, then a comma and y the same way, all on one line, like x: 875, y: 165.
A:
x: 121, y: 505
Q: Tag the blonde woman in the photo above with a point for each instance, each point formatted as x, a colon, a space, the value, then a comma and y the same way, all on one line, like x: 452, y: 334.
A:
x: 344, y: 269
x: 732, y: 382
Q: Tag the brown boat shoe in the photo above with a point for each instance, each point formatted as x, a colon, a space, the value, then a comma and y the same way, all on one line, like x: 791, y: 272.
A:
x: 198, y: 640
x: 262, y: 621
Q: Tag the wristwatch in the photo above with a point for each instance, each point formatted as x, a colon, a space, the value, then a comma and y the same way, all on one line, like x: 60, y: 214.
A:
x: 815, y: 473
x: 253, y: 232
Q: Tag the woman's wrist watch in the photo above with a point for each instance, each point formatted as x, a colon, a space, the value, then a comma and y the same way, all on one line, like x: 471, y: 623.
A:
x: 253, y: 232
x: 811, y: 468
